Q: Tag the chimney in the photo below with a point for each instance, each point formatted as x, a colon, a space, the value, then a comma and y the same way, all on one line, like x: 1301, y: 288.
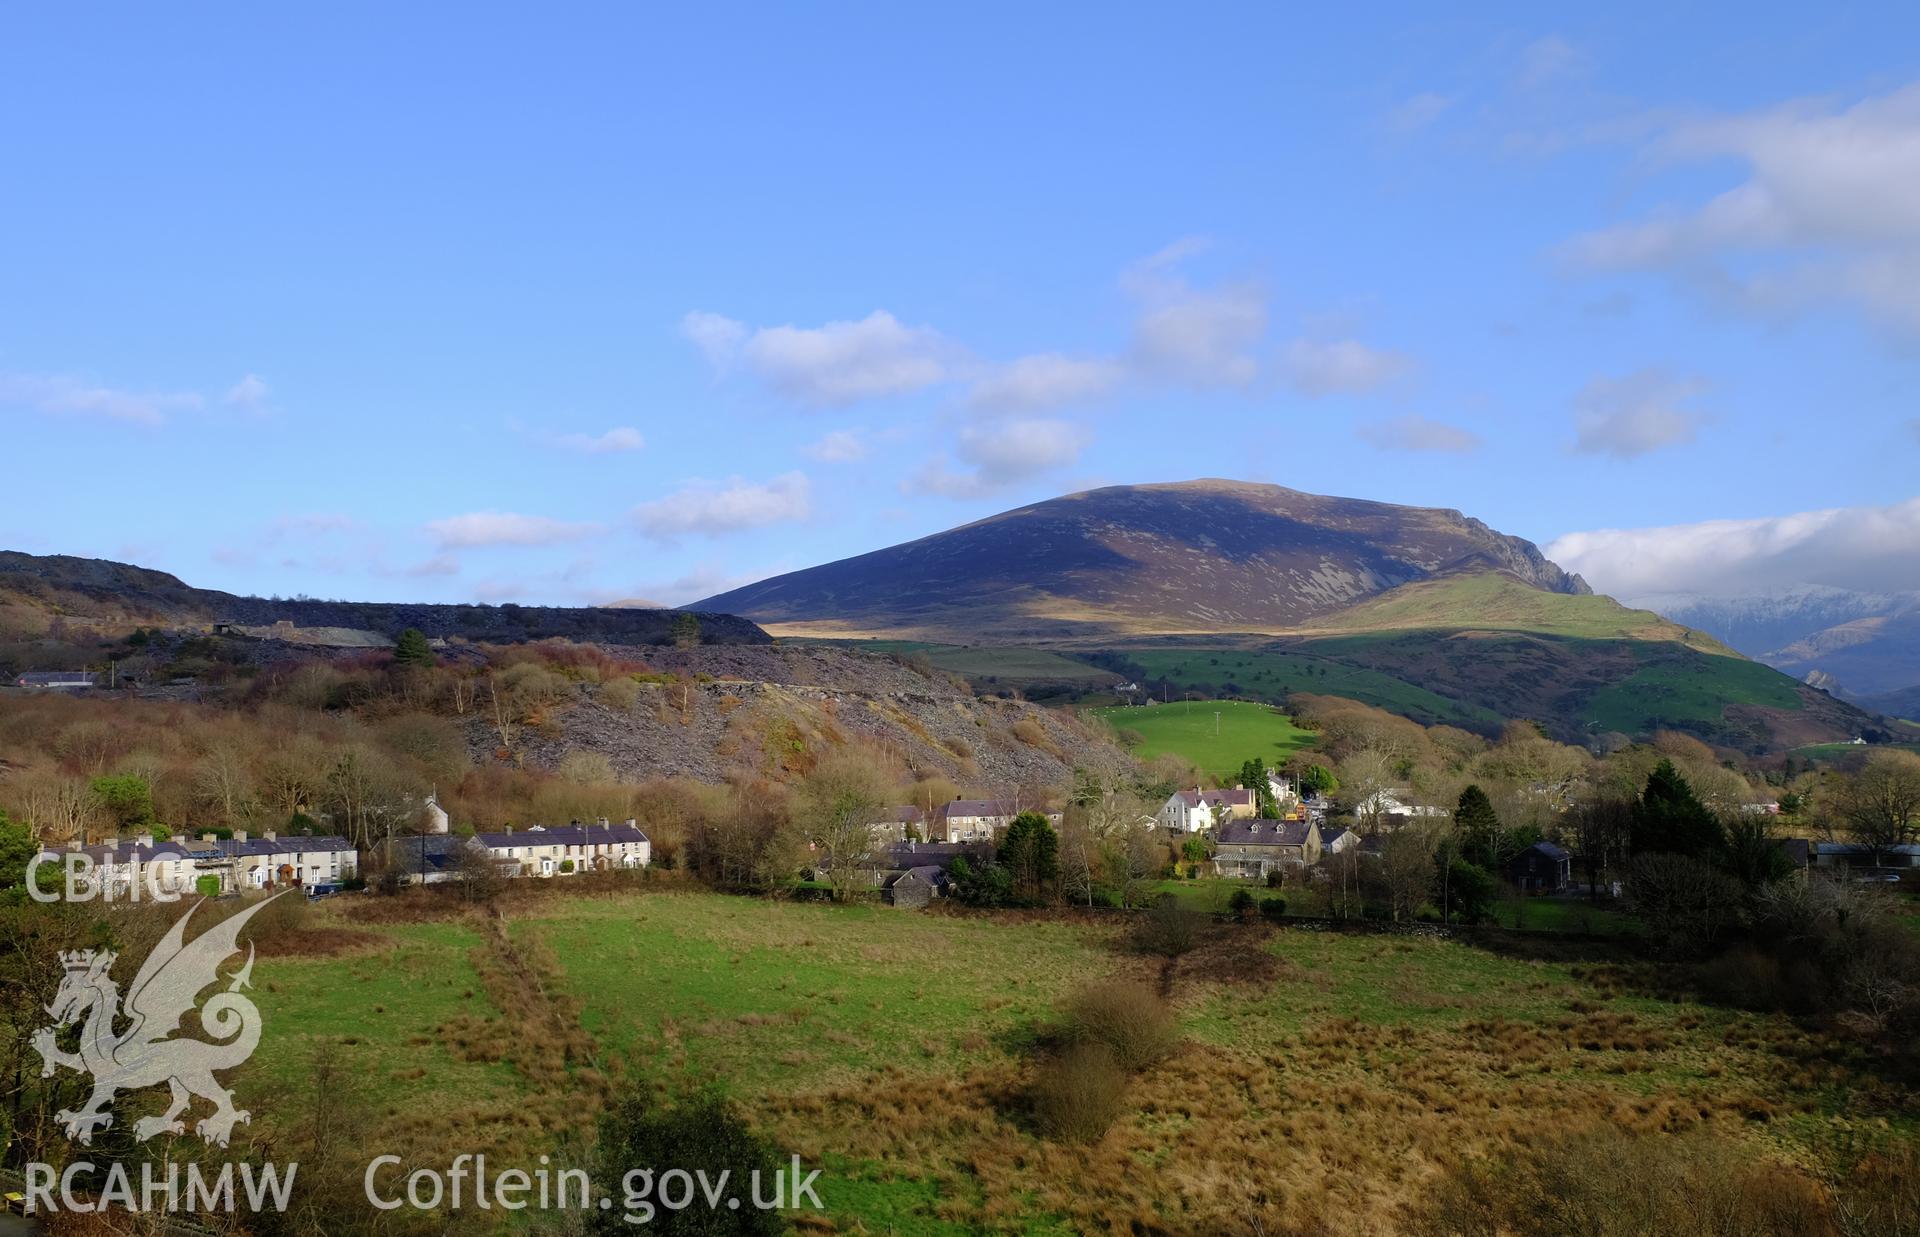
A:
x: 271, y: 836
x: 208, y: 837
x: 74, y: 843
x: 509, y: 828
x: 633, y: 822
x: 239, y: 835
x: 604, y: 824
x: 110, y: 843
x: 436, y: 816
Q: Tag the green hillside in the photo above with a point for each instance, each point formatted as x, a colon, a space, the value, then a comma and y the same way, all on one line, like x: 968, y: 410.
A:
x: 1217, y: 735
x: 1274, y: 675
x: 1490, y: 601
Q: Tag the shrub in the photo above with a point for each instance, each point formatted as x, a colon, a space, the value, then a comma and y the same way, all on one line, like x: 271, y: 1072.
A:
x: 1275, y: 878
x: 1129, y: 1019
x: 703, y: 1133
x: 1241, y: 902
x: 1609, y: 1183
x: 1274, y: 908
x: 1079, y: 1093
x: 1169, y: 928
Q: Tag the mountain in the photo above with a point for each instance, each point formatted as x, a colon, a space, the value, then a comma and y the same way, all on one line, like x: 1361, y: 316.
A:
x: 1230, y: 588
x: 57, y: 592
x: 1862, y: 645
x: 1195, y: 557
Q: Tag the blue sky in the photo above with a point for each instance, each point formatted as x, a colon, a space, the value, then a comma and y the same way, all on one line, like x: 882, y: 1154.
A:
x: 591, y: 303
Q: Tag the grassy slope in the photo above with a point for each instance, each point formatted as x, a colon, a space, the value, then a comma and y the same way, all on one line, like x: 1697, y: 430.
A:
x: 1275, y: 675
x: 1489, y: 601
x: 1590, y: 666
x: 890, y: 1047
x: 1245, y: 730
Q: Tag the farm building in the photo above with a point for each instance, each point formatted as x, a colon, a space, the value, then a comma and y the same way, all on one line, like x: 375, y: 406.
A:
x: 915, y: 887
x: 1541, y: 868
x: 1249, y: 849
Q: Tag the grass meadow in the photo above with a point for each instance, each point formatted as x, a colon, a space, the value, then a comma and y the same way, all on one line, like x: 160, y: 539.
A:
x: 1243, y: 729
x: 1322, y: 1082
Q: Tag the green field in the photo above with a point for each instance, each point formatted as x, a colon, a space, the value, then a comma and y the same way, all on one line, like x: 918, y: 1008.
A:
x: 1841, y: 751
x: 894, y: 1049
x: 1275, y: 675
x: 1217, y: 735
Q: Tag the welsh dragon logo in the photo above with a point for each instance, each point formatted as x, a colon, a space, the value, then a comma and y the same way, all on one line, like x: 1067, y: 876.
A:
x: 144, y: 1054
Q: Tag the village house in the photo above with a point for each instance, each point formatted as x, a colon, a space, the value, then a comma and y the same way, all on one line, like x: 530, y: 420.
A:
x: 560, y: 850
x: 1338, y: 841
x: 1201, y: 811
x: 915, y: 887
x: 1249, y: 849
x: 1391, y: 809
x: 164, y: 867
x: 970, y: 820
x: 1859, y: 855
x: 271, y: 861
x: 210, y: 864
x: 898, y: 823
x: 1541, y: 868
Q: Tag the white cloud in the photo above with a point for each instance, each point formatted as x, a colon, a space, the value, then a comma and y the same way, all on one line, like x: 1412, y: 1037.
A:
x: 250, y: 393
x: 1636, y: 414
x: 1547, y: 60
x: 1340, y: 366
x: 832, y: 365
x: 1870, y: 549
x: 504, y: 528
x: 1829, y: 208
x: 836, y: 447
x: 619, y: 438
x: 1414, y: 432
x: 718, y: 337
x: 436, y: 566
x: 709, y: 509
x: 1000, y: 454
x: 1416, y: 113
x: 1046, y: 380
x: 706, y: 580
x: 1182, y: 334
x: 63, y: 395
x: 1204, y: 336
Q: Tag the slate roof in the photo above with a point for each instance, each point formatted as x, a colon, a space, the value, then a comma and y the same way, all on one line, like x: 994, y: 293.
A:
x: 1263, y: 833
x: 906, y: 856
x: 290, y: 844
x: 974, y: 807
x: 1797, y: 850
x: 934, y: 876
x: 1555, y: 853
x: 562, y: 835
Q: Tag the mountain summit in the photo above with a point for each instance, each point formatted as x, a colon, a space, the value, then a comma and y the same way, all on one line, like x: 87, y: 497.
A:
x: 1189, y: 557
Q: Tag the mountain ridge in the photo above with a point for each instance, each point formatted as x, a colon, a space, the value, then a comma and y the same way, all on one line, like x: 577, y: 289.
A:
x: 1192, y: 557
x: 113, y: 598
